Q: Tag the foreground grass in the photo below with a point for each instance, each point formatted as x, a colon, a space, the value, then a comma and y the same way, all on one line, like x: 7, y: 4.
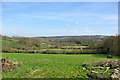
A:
x: 50, y: 65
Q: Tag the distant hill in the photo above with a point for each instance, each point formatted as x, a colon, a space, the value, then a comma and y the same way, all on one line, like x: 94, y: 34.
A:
x: 103, y: 44
x: 82, y: 37
x: 29, y: 43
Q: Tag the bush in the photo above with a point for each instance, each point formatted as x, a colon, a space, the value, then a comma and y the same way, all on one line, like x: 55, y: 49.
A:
x: 69, y: 51
x: 109, y: 45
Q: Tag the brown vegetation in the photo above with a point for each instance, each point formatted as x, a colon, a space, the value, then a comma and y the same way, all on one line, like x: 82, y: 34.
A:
x: 113, y: 65
x: 8, y: 65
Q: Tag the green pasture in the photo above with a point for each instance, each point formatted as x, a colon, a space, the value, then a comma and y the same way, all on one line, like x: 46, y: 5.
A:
x: 75, y: 47
x: 51, y: 65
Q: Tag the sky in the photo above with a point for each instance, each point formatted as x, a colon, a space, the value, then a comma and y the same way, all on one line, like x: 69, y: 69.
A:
x: 33, y: 19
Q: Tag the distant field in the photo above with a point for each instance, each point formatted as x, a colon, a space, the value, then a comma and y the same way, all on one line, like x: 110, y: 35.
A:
x: 61, y: 49
x: 68, y: 51
x: 51, y: 65
x: 75, y: 47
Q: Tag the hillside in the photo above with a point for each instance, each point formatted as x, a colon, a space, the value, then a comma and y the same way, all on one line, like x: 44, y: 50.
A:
x: 61, y: 44
x: 50, y: 42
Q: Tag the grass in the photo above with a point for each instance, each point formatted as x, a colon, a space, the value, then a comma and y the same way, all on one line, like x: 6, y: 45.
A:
x: 60, y: 49
x: 8, y: 44
x: 68, y: 51
x: 75, y: 46
x: 50, y: 65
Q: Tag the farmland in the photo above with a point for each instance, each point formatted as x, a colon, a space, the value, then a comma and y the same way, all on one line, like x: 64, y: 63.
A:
x: 51, y: 65
x: 59, y: 40
x: 58, y: 57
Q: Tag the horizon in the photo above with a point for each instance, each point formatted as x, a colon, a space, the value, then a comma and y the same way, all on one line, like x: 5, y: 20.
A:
x: 58, y: 36
x: 31, y: 19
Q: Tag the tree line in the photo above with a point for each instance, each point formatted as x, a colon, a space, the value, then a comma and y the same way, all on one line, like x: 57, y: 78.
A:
x: 110, y: 45
x: 107, y: 45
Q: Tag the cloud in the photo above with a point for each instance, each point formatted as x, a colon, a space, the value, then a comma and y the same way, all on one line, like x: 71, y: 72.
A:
x: 78, y: 19
x: 110, y: 17
x: 66, y: 24
x: 76, y: 22
x: 15, y: 6
x: 74, y: 31
x: 74, y: 16
x: 71, y: 17
x: 88, y: 29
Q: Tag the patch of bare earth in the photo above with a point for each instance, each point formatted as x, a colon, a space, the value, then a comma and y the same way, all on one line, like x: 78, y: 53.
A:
x: 35, y: 71
x: 7, y: 65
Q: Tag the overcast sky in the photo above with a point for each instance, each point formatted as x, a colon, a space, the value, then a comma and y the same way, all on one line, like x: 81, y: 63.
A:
x: 59, y: 19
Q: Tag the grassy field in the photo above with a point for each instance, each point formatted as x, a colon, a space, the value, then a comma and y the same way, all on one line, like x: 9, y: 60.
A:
x: 60, y: 49
x: 51, y: 65
x: 77, y: 46
x: 67, y: 51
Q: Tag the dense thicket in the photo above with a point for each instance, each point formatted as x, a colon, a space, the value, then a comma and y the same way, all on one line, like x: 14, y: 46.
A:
x: 110, y: 45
